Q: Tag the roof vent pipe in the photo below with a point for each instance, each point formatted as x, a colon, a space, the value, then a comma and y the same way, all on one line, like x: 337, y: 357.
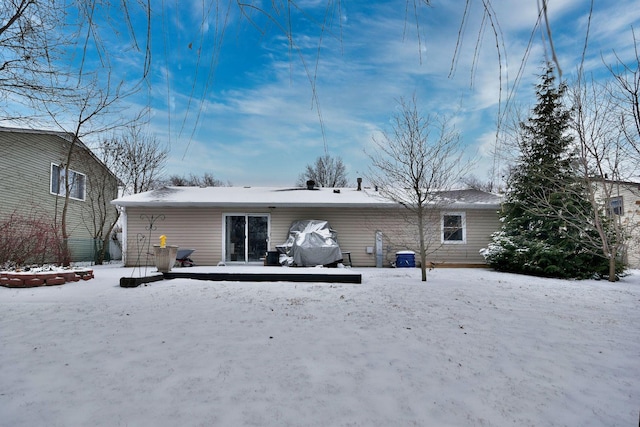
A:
x: 359, y: 184
x: 310, y: 184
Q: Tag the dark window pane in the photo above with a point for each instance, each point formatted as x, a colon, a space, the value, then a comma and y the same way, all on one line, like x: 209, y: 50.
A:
x: 452, y: 228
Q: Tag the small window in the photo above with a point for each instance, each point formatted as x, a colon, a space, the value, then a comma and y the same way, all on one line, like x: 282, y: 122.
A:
x: 77, y: 182
x: 616, y: 206
x: 453, y: 228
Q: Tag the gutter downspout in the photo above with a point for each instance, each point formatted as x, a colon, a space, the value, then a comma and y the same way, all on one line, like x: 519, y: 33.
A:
x: 124, y: 235
x: 379, y: 254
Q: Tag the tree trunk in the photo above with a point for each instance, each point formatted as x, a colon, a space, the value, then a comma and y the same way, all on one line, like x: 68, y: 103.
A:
x: 423, y: 255
x: 105, y: 240
x: 66, y: 258
x: 612, y: 264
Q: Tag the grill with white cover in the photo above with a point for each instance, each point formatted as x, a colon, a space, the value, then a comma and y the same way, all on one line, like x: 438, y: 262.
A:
x: 312, y: 242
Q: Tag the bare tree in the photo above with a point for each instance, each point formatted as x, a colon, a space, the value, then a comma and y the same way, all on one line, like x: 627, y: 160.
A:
x: 136, y: 158
x: 627, y: 93
x: 414, y: 165
x: 93, y: 103
x: 476, y: 183
x: 598, y: 122
x: 30, y: 43
x: 98, y: 215
x: 206, y: 180
x: 178, y: 181
x: 94, y: 109
x: 45, y: 55
x: 327, y: 171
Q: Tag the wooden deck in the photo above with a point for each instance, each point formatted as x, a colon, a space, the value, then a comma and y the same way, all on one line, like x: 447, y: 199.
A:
x: 266, y: 274
x: 252, y: 274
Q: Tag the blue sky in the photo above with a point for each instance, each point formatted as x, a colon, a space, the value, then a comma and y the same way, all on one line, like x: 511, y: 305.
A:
x: 231, y: 98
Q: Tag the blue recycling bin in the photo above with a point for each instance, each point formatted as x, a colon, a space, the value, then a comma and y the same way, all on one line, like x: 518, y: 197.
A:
x: 405, y: 259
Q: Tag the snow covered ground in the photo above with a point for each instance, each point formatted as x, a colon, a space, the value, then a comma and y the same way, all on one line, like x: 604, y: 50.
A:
x: 468, y: 348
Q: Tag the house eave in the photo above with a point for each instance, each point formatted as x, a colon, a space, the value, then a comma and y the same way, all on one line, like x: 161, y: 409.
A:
x: 254, y: 205
x: 244, y: 205
x: 265, y: 198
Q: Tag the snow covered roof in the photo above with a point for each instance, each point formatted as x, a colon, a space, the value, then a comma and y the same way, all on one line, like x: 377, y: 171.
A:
x: 633, y: 180
x: 264, y: 197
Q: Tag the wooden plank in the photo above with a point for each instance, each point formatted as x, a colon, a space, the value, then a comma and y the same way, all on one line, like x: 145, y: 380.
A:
x: 267, y: 277
x: 134, y: 282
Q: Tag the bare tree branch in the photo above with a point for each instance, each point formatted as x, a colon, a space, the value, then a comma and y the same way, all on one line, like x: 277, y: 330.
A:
x: 136, y: 158
x: 415, y: 164
x: 327, y: 171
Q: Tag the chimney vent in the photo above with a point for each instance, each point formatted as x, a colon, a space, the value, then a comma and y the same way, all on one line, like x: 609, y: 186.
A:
x: 310, y: 184
x: 359, y: 184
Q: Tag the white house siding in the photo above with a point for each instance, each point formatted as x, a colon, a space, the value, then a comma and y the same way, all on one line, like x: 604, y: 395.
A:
x: 188, y: 228
x: 480, y: 224
x: 630, y: 193
x: 201, y: 229
x: 355, y: 231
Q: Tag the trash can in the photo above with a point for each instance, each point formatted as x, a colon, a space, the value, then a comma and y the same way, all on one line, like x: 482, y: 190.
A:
x: 273, y: 258
x: 405, y: 259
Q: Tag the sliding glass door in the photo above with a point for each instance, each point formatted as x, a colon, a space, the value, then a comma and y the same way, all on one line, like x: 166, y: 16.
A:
x: 246, y: 237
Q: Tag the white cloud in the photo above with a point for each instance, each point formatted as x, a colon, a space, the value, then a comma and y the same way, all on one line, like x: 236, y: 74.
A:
x: 259, y: 122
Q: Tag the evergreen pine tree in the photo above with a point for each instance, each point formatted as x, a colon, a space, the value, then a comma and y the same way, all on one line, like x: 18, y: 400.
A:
x: 542, y: 187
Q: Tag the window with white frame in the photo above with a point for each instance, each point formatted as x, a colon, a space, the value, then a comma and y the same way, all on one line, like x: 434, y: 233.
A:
x: 77, y: 182
x: 454, y: 227
x: 616, y: 206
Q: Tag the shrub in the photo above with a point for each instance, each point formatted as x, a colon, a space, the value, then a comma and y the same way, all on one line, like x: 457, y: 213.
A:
x: 29, y: 239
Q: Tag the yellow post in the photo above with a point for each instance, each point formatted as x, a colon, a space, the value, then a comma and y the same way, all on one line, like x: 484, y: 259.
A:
x: 163, y: 241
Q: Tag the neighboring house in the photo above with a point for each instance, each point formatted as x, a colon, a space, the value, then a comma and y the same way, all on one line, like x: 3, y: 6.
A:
x: 32, y: 170
x: 240, y: 225
x: 624, y: 204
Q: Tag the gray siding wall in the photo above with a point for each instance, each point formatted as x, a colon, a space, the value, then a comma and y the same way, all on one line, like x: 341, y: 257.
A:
x: 201, y: 229
x: 25, y: 174
x: 25, y: 167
